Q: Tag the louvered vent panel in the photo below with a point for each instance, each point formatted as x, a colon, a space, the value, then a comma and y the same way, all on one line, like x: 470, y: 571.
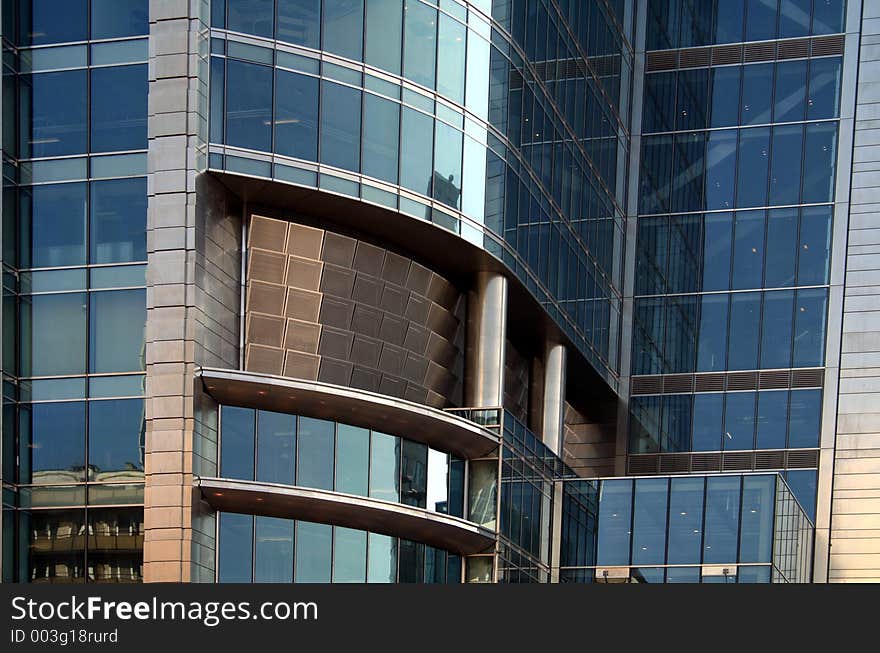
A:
x: 709, y: 382
x: 827, y: 45
x: 760, y: 51
x: 678, y: 383
x: 643, y: 464
x: 674, y: 463
x: 774, y: 379
x: 802, y: 459
x: 663, y: 60
x: 794, y: 49
x: 738, y: 460
x: 742, y: 381
x: 647, y: 385
x: 726, y: 54
x: 706, y: 462
x: 769, y: 459
x: 694, y: 58
x: 807, y: 378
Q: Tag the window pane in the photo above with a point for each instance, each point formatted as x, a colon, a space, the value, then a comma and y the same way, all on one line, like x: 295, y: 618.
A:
x: 273, y: 550
x: 248, y: 105
x: 828, y: 16
x: 722, y: 519
x: 412, y: 562
x: 118, y: 18
x: 645, y: 428
x: 416, y: 154
x: 712, y: 344
x: 754, y: 574
x: 384, y: 34
x: 237, y: 442
x: 296, y: 115
x: 739, y: 421
x: 381, y: 137
x: 456, y: 487
x: 785, y: 169
x: 824, y: 89
x: 693, y: 99
x: 708, y: 413
x: 344, y: 28
x: 447, y: 165
x: 50, y: 127
x: 57, y: 444
x: 299, y: 22
x: 420, y: 43
x: 384, y: 467
x: 820, y: 154
x: 814, y: 253
x: 794, y: 20
x: 250, y: 16
x: 116, y: 332
x: 352, y: 459
x: 745, y: 312
x: 53, y: 21
x: 758, y: 503
x: 340, y: 126
x: 118, y: 221
x: 659, y: 107
x: 757, y: 94
x: 119, y: 108
x: 803, y: 485
x: 276, y: 447
x: 349, y: 556
x: 811, y: 307
x: 804, y: 421
x: 615, y: 509
x: 382, y: 561
x: 791, y: 85
x: 649, y: 522
x: 720, y: 169
x: 54, y: 351
x: 315, y: 453
x: 776, y: 326
x: 685, y: 520
x: 754, y: 157
x: 314, y: 544
x: 236, y: 542
x: 438, y: 479
x: 57, y: 225
x: 782, y: 233
x: 676, y: 423
x: 717, y: 241
x: 116, y: 439
x: 729, y: 18
x: 414, y: 473
x: 772, y: 419
x: 760, y: 19
x: 683, y: 574
x: 748, y: 249
x: 450, y: 67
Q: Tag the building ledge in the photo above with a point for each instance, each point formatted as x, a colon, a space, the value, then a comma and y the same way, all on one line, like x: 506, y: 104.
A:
x: 364, y: 513
x: 438, y: 429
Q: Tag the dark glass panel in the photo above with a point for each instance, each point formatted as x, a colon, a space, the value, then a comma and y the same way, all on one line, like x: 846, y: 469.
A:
x: 299, y: 22
x: 804, y: 420
x: 757, y: 94
x: 828, y: 16
x: 349, y: 555
x: 50, y: 127
x: 745, y: 313
x: 117, y: 320
x: 119, y: 108
x: 794, y: 20
x: 681, y: 333
x: 235, y: 555
x: 693, y: 99
x: 273, y: 550
x: 722, y: 519
x: 717, y: 244
x: 772, y: 419
x: 46, y: 349
x: 118, y: 220
x: 615, y: 518
x: 688, y: 177
x: 656, y: 174
x: 314, y: 545
x: 352, y: 459
x: 456, y: 487
x: 649, y: 521
x: 384, y: 27
x: 739, y: 421
x: 248, y: 105
x: 57, y: 447
x: 237, y: 442
x: 659, y: 103
x: 340, y: 126
x: 725, y: 95
x: 721, y: 169
x: 343, y: 22
x: 117, y: 18
x: 729, y: 20
x: 776, y: 326
x: 217, y: 111
x: 814, y: 253
x: 820, y: 155
x: 56, y: 546
x: 55, y: 235
x: 276, y: 447
x: 758, y: 504
x: 296, y: 115
x: 685, y: 521
x: 683, y: 574
x: 116, y: 439
x: 651, y: 264
x: 782, y: 248
x: 791, y: 90
x: 811, y: 308
x: 645, y: 426
x: 748, y: 249
x: 412, y: 562
x: 752, y: 168
x: 115, y: 544
x: 803, y: 485
x: 708, y: 414
x: 416, y: 154
x: 785, y: 167
x: 251, y: 16
x: 381, y: 138
x: 53, y: 21
x: 315, y: 440
x: 760, y: 19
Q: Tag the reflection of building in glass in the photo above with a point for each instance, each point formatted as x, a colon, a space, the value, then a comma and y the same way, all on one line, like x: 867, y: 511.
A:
x: 411, y: 291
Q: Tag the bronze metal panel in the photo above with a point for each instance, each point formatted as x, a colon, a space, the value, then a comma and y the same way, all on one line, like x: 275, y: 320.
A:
x: 266, y: 233
x: 304, y: 241
x: 303, y: 273
x: 303, y: 304
x: 302, y: 336
x: 265, y: 298
x: 266, y: 266
x: 338, y: 249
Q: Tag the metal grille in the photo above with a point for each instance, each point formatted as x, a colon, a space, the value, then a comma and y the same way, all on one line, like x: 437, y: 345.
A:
x: 820, y: 46
x: 732, y: 381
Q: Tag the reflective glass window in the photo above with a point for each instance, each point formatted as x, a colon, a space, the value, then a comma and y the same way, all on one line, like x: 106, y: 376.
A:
x: 116, y: 437
x: 693, y: 99
x: 55, y: 234
x: 729, y: 19
x: 725, y: 87
x: 237, y: 442
x: 760, y: 19
x: 722, y: 519
x: 352, y: 459
x: 754, y: 574
x: 276, y: 447
x: 118, y: 18
x: 299, y: 22
x: 118, y: 220
x: 384, y: 27
x: 811, y: 307
x: 419, y: 42
x: 452, y: 38
x: 676, y: 423
x: 659, y: 107
x: 46, y: 349
x: 794, y: 20
x: 456, y: 487
x: 340, y: 126
x: 381, y: 138
x: 791, y: 91
x: 411, y: 563
x: 50, y: 127
x: 748, y: 249
x: 117, y: 321
x: 802, y: 483
x: 752, y: 168
x: 685, y: 521
x: 438, y: 479
x: 645, y: 429
x: 739, y: 421
x: 315, y: 441
x: 814, y: 251
x: 782, y: 249
x: 615, y: 520
x: 824, y: 99
x: 447, y: 164
x: 314, y: 545
x: 343, y: 22
x: 417, y: 151
x: 717, y: 243
x: 720, y: 169
x: 382, y: 559
x: 53, y: 21
x: 757, y: 94
x: 235, y: 548
x: 273, y: 550
x: 828, y: 16
x: 414, y: 473
x: 683, y: 574
x: 772, y: 419
x: 776, y: 327
x: 296, y: 115
x: 785, y: 167
x: 384, y: 466
x: 758, y: 504
x: 349, y: 555
x: 689, y: 162
x: 820, y: 155
x: 649, y: 521
x: 742, y: 347
x: 708, y: 415
x: 248, y: 105
x: 119, y: 108
x: 656, y: 173
x: 56, y: 450
x: 251, y: 16
x: 804, y: 420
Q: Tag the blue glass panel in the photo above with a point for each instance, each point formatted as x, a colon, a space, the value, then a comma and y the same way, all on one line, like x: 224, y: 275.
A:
x: 752, y: 167
x: 55, y: 234
x: 791, y: 91
x: 772, y: 419
x: 748, y: 249
x: 116, y: 438
x: 118, y: 18
x: 218, y: 89
x: 683, y: 574
x: 685, y: 521
x: 756, y: 574
x: 349, y: 556
x: 47, y: 350
x: 804, y: 419
x: 692, y: 108
x: 776, y: 328
x: 794, y: 20
x: 758, y: 504
x: 119, y: 108
x: 420, y: 43
x: 659, y: 103
x: 811, y: 308
x: 416, y: 152
x: 708, y: 415
x: 53, y: 21
x: 615, y: 519
x: 56, y: 449
x: 340, y: 126
x: 49, y: 127
x: 381, y: 138
x: 729, y: 19
x: 802, y: 483
x: 237, y: 442
x: 343, y: 22
x: 720, y: 169
x: 235, y: 555
x: 118, y: 221
x: 296, y: 115
x: 722, y: 519
x: 276, y: 447
x: 384, y: 40
x: 820, y: 157
x: 757, y: 94
x: 782, y: 248
x: 828, y: 16
x: 814, y: 253
x: 273, y: 550
x: 649, y: 521
x: 676, y: 423
x: 315, y: 444
x: 314, y: 545
x: 299, y: 22
x: 760, y: 19
x: 248, y: 105
x: 785, y: 168
x: 725, y: 88
x: 717, y: 243
x: 739, y: 421
x: 645, y: 426
x: 117, y: 319
x: 251, y: 16
x: 745, y: 312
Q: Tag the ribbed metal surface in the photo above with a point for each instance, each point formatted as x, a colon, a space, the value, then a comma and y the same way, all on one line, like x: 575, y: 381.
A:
x: 730, y: 381
x: 719, y: 55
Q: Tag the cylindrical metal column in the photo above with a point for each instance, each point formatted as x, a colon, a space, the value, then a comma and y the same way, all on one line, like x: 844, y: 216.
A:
x: 554, y: 397
x: 486, y: 334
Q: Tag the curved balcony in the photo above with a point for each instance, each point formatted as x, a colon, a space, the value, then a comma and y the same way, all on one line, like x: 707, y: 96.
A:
x: 436, y: 428
x: 364, y: 513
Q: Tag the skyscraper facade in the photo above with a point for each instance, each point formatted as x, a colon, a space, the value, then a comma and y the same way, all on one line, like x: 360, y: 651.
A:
x: 439, y: 291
